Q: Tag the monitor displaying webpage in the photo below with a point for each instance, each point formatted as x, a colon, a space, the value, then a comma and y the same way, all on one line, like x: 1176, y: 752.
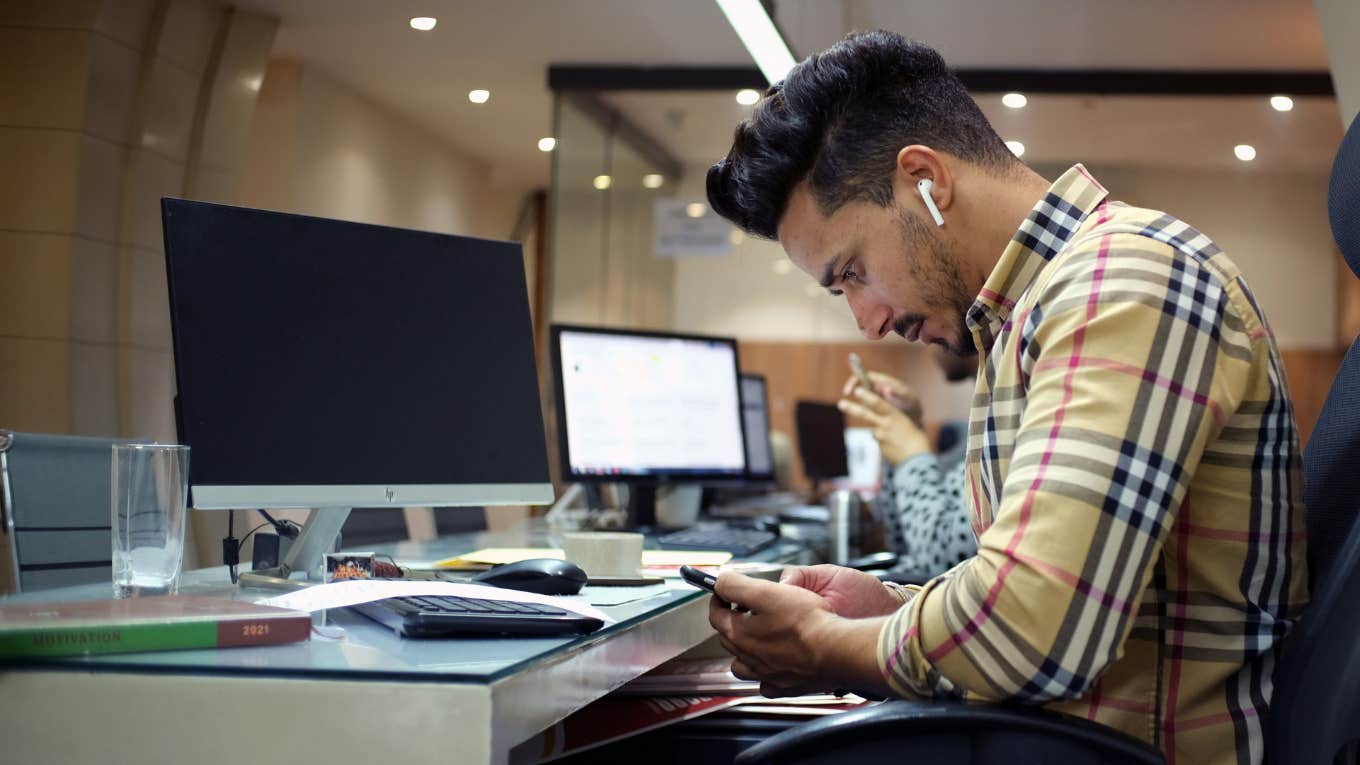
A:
x: 638, y: 405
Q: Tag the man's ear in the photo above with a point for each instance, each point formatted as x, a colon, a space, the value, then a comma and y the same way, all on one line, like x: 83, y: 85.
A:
x: 914, y: 164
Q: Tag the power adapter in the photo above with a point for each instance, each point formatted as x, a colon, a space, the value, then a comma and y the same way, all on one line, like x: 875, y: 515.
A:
x: 269, y: 549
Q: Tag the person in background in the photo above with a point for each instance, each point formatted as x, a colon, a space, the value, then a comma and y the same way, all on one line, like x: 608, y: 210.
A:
x: 921, y: 502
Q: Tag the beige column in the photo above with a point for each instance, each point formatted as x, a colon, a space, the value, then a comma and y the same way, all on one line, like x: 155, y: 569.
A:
x: 105, y: 107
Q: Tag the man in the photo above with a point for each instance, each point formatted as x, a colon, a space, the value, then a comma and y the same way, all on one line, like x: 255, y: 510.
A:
x: 1133, y: 469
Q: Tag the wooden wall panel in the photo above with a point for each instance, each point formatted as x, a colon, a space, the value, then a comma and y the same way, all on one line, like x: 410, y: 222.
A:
x: 1310, y: 374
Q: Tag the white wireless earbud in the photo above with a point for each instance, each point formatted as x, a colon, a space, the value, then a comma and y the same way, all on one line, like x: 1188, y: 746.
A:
x: 924, y: 187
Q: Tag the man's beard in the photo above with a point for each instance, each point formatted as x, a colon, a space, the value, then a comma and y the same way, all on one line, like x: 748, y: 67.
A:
x: 936, y: 269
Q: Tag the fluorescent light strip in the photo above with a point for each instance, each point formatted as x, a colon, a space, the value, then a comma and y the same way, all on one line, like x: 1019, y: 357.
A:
x: 761, y: 39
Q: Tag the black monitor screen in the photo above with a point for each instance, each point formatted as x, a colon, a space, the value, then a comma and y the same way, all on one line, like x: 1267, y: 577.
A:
x: 821, y: 440
x: 320, y: 352
x: 638, y: 404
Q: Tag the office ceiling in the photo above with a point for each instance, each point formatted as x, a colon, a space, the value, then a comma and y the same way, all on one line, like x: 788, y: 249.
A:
x: 506, y: 46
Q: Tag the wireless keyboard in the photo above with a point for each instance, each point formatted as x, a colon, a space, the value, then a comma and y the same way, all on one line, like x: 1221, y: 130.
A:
x: 442, y: 616
x: 739, y: 542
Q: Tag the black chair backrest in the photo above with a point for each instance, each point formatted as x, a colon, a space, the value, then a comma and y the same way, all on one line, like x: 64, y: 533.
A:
x: 1316, y: 706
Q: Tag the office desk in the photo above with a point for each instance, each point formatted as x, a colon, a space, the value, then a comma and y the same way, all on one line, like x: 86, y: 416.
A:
x: 372, y: 697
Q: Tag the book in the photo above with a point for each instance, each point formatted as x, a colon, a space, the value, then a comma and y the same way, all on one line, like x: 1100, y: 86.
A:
x: 684, y: 677
x: 36, y: 630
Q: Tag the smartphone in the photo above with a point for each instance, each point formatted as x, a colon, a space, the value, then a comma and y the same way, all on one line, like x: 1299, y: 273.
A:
x: 698, y: 578
x: 857, y: 367
x: 708, y: 582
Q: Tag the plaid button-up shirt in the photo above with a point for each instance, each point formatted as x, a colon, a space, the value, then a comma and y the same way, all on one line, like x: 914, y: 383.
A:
x: 1135, y: 482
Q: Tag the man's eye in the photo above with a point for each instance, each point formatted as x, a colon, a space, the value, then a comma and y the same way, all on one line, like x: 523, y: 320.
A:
x: 848, y: 274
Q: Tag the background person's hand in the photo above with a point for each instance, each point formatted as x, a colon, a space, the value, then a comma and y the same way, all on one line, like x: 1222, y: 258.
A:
x: 850, y: 593
x: 892, y: 390
x: 897, y: 435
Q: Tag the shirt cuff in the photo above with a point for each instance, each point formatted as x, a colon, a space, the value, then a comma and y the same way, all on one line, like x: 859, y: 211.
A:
x: 905, y: 592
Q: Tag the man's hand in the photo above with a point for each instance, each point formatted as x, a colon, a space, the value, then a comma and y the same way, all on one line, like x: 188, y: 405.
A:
x: 897, y: 435
x: 848, y: 593
x: 791, y: 641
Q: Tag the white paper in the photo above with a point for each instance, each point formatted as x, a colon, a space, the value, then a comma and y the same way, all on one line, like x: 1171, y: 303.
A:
x: 355, y: 591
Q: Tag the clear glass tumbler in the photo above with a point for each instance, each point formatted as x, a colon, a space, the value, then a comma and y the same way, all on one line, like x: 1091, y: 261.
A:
x: 150, y: 492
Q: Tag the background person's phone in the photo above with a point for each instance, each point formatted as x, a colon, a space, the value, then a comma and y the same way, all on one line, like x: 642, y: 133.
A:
x: 857, y: 367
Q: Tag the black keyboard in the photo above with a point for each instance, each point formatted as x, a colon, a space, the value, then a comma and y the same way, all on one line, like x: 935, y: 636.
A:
x: 739, y: 542
x: 442, y: 616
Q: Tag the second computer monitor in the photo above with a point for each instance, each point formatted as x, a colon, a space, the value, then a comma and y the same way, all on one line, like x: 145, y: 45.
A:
x: 644, y: 406
x: 755, y: 418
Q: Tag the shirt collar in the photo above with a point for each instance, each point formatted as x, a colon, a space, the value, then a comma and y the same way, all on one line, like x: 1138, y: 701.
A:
x: 1044, y: 233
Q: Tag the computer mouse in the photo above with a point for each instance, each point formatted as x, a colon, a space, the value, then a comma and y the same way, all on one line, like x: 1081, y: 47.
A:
x: 545, y: 576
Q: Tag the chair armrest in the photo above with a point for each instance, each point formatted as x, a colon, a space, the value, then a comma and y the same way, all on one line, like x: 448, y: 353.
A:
x: 950, y: 731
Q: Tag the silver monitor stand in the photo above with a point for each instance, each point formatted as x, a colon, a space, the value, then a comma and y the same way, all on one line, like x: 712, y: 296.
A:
x: 318, y: 534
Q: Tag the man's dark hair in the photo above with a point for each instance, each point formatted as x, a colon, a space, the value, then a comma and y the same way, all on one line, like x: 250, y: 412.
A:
x: 839, y: 118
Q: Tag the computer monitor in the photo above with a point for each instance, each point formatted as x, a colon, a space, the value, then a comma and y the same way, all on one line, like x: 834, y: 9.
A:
x: 328, y: 364
x: 646, y: 408
x: 821, y: 440
x: 755, y: 420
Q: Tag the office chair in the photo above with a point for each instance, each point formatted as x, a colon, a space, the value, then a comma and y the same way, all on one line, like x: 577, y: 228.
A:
x: 1316, y: 707
x: 55, y: 508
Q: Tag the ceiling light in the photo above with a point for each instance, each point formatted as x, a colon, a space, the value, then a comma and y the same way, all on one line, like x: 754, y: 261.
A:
x: 1017, y: 148
x: 783, y: 266
x: 1281, y: 103
x: 757, y: 32
x: 747, y: 97
x: 547, y: 144
x: 653, y: 180
x: 602, y: 182
x: 479, y: 96
x: 1015, y: 100
x: 737, y: 236
x: 423, y: 23
x: 695, y: 209
x: 1245, y: 152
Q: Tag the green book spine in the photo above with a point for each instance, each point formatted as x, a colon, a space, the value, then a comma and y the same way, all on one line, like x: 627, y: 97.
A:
x: 75, y: 641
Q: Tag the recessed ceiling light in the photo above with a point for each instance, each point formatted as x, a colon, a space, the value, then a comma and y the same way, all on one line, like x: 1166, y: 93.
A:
x: 547, y: 144
x: 695, y: 209
x: 479, y: 96
x: 737, y: 236
x: 783, y: 266
x: 1281, y: 103
x: 423, y: 23
x: 653, y: 180
x: 746, y: 96
x: 1015, y: 100
x: 602, y: 182
x: 1245, y: 152
x: 1017, y: 148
